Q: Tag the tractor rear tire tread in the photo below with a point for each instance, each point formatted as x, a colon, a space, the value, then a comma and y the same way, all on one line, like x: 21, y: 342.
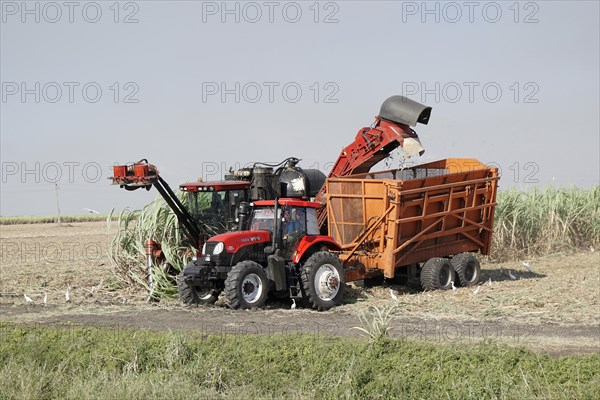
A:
x: 307, y: 275
x: 461, y: 263
x: 430, y: 274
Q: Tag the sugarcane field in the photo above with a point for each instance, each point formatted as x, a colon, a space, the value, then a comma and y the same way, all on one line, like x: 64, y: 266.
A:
x: 221, y: 200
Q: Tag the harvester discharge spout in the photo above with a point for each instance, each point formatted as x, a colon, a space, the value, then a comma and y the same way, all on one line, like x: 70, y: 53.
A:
x: 391, y: 129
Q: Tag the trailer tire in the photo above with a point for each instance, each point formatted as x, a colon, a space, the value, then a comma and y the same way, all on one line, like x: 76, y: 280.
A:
x: 247, y: 285
x: 468, y: 269
x: 323, y: 281
x: 190, y: 296
x: 437, y: 274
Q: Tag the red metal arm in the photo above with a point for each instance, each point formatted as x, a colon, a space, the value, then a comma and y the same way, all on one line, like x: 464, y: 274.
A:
x: 370, y: 146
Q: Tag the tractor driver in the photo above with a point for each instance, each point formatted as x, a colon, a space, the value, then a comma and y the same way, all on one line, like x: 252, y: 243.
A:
x: 293, y: 229
x: 287, y: 222
x: 298, y: 221
x: 293, y: 223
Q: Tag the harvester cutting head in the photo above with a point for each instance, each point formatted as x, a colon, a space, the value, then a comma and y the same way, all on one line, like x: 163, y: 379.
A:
x: 134, y: 176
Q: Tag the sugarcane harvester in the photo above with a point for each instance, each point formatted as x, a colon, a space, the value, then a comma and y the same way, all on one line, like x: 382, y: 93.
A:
x: 211, y: 207
x: 284, y: 248
x: 144, y: 175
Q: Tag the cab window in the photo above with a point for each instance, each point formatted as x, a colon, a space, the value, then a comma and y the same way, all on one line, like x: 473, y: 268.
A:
x: 312, y: 226
x: 263, y: 219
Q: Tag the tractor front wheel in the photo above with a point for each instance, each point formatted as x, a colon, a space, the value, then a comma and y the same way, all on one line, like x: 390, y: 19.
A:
x: 323, y: 280
x: 193, y: 296
x: 247, y: 285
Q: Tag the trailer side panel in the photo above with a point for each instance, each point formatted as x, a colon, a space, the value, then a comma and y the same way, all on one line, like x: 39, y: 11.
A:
x: 391, y: 219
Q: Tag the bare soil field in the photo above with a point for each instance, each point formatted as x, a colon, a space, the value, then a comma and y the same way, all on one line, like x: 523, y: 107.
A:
x: 554, y: 309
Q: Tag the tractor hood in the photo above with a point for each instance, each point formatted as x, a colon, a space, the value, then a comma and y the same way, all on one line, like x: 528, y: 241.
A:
x: 235, y: 240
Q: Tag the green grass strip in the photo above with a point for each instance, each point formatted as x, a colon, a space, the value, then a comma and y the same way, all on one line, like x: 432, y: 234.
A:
x: 116, y: 363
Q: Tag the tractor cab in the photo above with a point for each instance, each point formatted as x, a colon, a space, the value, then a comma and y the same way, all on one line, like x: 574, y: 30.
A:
x: 296, y: 219
x: 213, y: 204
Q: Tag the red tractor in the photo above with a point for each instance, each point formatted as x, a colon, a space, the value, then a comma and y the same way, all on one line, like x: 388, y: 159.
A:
x: 282, y: 253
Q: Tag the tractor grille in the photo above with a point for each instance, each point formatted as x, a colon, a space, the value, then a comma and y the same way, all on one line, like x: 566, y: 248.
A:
x: 209, y: 258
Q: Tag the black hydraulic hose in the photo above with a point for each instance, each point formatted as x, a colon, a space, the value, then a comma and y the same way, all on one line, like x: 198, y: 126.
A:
x: 191, y: 228
x: 276, y: 165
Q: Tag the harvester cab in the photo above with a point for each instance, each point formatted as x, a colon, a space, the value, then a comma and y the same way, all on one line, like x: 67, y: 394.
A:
x: 213, y: 205
x: 282, y: 254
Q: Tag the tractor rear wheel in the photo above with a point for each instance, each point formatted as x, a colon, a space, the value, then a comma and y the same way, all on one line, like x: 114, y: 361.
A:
x: 437, y: 274
x: 192, y: 296
x: 323, y: 280
x: 247, y: 285
x: 468, y: 269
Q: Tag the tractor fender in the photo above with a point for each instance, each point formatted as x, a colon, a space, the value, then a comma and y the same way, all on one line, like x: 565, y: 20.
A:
x: 309, y: 242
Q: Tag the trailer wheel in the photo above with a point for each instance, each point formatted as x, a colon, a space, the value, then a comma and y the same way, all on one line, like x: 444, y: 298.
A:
x: 247, y: 285
x: 468, y: 269
x: 437, y: 274
x: 323, y: 281
x: 191, y: 296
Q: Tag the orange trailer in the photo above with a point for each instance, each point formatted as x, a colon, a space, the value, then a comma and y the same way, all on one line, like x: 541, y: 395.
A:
x: 390, y: 222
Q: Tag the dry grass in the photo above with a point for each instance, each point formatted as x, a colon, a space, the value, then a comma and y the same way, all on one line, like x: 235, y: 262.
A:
x: 51, y: 219
x: 562, y: 289
x: 47, y: 258
x: 560, y: 298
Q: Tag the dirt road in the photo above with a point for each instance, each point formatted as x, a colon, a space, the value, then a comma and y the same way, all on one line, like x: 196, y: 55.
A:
x: 551, y: 338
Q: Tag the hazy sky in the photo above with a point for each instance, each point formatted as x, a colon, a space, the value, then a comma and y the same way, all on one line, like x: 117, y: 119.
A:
x: 197, y: 87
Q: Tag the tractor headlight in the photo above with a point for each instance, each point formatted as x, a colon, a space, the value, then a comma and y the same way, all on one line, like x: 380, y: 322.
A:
x: 218, y: 248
